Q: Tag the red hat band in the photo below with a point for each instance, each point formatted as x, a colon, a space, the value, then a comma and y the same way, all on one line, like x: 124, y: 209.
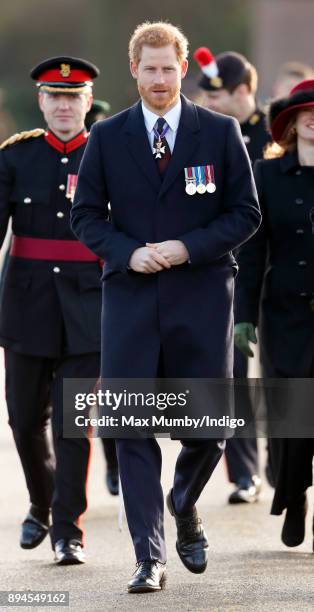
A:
x: 64, y: 75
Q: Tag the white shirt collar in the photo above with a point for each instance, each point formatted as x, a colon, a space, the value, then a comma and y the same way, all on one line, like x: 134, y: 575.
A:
x: 172, y: 117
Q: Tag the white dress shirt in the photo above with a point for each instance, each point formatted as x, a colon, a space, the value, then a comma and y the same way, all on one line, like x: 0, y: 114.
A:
x: 172, y: 117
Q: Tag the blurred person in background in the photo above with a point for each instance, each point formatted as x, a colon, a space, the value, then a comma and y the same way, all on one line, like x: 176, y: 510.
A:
x: 289, y: 75
x: 100, y: 110
x: 277, y: 276
x: 50, y: 303
x: 229, y: 84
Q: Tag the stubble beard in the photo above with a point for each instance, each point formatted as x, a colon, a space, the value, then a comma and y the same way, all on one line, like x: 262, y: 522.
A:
x: 163, y: 105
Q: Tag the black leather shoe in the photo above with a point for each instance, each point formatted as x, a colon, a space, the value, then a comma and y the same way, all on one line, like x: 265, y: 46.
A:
x: 293, y: 530
x: 247, y: 491
x: 33, y: 532
x: 112, y: 481
x: 192, y: 543
x: 149, y: 576
x: 69, y: 552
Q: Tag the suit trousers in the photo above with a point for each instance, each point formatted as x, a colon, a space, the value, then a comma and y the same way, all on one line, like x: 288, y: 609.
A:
x: 34, y: 392
x: 140, y: 469
x: 241, y: 453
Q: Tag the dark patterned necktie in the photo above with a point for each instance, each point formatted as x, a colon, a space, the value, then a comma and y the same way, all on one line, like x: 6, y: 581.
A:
x: 161, y: 144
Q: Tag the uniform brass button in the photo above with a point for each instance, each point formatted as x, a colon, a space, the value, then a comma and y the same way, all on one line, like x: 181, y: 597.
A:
x: 62, y: 187
x: 60, y: 214
x: 302, y: 262
x: 299, y: 201
x: 27, y: 200
x: 56, y: 270
x: 300, y: 230
x: 64, y: 160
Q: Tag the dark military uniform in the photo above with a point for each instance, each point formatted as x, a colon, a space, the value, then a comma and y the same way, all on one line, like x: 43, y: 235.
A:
x: 227, y: 71
x: 241, y: 453
x: 255, y: 134
x: 277, y: 267
x: 49, y: 320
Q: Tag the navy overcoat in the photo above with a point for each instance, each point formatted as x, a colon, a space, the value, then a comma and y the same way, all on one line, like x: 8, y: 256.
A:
x: 184, y: 314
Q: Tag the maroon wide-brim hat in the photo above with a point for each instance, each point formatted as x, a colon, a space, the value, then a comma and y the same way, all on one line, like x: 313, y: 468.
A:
x: 282, y: 110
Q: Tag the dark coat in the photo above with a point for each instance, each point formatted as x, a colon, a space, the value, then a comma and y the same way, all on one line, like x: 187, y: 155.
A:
x: 277, y: 268
x: 255, y: 134
x: 185, y: 312
x: 44, y: 312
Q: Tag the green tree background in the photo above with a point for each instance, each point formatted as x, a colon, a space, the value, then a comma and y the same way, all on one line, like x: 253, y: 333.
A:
x: 99, y: 30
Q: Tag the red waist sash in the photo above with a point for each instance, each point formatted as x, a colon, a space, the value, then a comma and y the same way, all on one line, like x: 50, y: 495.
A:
x: 40, y: 248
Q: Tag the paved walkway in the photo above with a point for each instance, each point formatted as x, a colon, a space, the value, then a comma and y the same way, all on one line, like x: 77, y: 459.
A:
x: 249, y: 569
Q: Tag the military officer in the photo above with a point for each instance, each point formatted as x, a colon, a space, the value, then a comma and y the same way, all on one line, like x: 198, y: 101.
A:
x: 50, y: 303
x: 229, y: 83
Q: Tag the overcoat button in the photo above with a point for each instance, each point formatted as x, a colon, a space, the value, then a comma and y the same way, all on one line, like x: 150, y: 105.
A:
x: 27, y: 200
x: 56, y: 270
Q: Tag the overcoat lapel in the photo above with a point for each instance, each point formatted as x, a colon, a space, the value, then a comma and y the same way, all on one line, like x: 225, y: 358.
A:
x: 139, y: 147
x: 187, y: 140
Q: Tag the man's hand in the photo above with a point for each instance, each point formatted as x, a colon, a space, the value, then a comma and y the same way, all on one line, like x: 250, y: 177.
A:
x: 174, y: 251
x: 147, y: 261
x: 243, y: 334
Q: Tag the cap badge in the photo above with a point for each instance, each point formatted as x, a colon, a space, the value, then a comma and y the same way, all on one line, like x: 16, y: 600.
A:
x: 65, y: 70
x: 216, y: 82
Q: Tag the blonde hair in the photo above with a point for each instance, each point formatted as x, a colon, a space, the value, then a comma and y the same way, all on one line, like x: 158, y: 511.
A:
x: 288, y: 142
x: 157, y: 34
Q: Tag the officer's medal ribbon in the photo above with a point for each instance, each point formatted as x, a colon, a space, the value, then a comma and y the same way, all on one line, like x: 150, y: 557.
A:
x: 159, y: 149
x: 71, y: 186
x: 190, y: 181
x: 210, y: 178
x: 200, y: 177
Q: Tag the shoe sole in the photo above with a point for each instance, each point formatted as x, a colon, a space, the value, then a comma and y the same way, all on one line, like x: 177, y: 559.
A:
x: 239, y: 500
x: 39, y: 541
x: 70, y: 561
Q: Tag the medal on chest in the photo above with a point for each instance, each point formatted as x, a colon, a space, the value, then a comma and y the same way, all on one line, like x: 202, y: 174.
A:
x: 199, y: 179
x: 71, y: 186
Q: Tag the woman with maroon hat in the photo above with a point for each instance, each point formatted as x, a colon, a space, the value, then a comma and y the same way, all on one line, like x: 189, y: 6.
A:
x: 277, y: 278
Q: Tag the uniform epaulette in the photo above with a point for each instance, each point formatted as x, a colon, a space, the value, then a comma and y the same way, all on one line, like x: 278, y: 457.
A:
x: 22, y: 136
